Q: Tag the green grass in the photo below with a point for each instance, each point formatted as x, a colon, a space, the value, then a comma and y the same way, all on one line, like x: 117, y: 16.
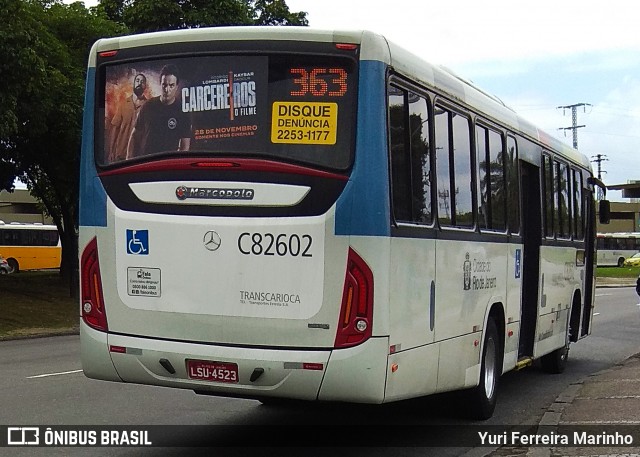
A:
x: 618, y: 272
x: 36, y: 303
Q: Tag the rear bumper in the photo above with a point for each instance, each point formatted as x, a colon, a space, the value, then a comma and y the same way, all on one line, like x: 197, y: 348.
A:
x: 355, y: 374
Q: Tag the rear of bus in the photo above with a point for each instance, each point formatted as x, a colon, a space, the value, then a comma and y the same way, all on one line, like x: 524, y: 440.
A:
x: 227, y: 263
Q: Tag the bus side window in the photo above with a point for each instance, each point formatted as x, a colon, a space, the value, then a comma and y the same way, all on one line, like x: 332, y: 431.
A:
x: 453, y: 168
x: 443, y: 180
x: 578, y: 215
x: 463, y: 196
x: 491, y: 181
x: 410, y: 158
x: 400, y: 159
x: 563, y: 184
x: 420, y: 158
x: 513, y: 186
x: 548, y: 196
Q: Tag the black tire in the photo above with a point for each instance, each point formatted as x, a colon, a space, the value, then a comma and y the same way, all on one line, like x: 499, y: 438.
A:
x: 13, y: 265
x: 482, y: 399
x: 620, y: 262
x: 555, y: 362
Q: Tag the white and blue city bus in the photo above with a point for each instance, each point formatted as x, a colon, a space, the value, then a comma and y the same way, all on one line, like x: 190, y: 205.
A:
x: 614, y: 248
x: 341, y: 221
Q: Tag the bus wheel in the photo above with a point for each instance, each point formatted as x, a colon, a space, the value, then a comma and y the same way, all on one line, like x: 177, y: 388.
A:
x: 555, y: 362
x: 13, y: 265
x: 620, y: 262
x: 482, y: 399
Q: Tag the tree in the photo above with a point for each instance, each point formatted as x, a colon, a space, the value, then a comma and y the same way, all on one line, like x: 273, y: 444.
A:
x: 276, y: 12
x: 154, y: 15
x: 43, y: 59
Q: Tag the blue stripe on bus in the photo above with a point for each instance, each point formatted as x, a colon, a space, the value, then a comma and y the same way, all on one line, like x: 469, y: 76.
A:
x: 93, y: 204
x: 363, y: 208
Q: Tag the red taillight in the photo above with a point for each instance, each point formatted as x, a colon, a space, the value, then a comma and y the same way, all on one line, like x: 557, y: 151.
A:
x: 356, y: 313
x: 108, y: 53
x: 212, y: 164
x: 91, y: 297
x: 346, y: 46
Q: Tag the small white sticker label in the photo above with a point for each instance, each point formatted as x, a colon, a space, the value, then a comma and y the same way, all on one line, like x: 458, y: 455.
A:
x: 143, y: 282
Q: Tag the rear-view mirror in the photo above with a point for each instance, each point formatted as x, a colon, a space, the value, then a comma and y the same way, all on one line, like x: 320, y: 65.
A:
x: 604, y: 211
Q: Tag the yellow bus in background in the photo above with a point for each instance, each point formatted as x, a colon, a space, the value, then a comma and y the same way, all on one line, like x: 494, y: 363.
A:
x: 30, y: 246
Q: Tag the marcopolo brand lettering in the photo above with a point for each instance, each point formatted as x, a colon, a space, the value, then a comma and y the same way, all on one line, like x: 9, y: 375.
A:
x: 214, y: 193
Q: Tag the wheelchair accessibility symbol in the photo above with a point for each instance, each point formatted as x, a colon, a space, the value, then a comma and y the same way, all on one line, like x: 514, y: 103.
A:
x: 138, y: 242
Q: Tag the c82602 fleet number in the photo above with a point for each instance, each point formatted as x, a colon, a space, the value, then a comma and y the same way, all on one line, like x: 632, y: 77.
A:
x: 270, y: 244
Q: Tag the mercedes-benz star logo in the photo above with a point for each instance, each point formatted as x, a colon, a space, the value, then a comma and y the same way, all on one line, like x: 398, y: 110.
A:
x: 211, y: 240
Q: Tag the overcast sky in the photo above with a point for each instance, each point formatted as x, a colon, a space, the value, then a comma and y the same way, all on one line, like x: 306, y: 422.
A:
x: 535, y: 56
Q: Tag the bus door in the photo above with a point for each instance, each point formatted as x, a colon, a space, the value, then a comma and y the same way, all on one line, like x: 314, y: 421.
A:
x: 532, y: 235
x: 588, y: 281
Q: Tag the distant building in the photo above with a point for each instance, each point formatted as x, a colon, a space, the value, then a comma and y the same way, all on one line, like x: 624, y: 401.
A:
x: 630, y: 190
x: 20, y: 206
x: 635, y: 200
x: 625, y: 217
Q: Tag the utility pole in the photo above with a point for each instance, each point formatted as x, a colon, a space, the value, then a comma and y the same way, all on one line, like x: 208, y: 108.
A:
x: 599, y: 158
x: 574, y: 118
x: 444, y: 196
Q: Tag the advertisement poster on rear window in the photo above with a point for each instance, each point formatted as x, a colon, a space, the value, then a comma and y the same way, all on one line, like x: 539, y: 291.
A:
x: 187, y: 104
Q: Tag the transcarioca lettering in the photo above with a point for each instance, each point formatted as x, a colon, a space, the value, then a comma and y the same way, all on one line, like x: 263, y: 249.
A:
x: 269, y: 297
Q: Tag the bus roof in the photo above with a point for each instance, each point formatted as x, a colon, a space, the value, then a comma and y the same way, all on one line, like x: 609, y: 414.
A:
x: 249, y: 33
x: 466, y: 92
x: 375, y: 47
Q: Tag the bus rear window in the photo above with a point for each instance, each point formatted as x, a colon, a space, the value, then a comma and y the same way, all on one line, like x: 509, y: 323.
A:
x: 299, y: 108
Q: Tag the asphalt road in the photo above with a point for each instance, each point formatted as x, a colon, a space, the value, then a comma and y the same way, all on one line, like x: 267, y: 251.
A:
x: 42, y: 384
